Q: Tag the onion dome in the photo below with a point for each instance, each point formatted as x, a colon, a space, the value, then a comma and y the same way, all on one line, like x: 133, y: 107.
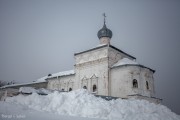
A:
x: 104, y: 32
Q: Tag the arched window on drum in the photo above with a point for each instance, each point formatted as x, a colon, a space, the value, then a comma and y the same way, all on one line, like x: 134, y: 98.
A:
x: 135, y: 83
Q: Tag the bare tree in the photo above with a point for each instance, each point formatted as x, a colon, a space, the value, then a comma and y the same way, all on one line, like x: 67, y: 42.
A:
x: 3, y: 83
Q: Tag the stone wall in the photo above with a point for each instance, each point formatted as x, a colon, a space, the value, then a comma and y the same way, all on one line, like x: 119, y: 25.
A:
x: 14, y: 89
x: 8, y: 92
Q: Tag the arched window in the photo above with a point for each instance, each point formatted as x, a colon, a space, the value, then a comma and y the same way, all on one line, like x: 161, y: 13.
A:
x: 94, y: 88
x: 147, y: 85
x: 135, y: 83
x: 70, y: 89
x: 84, y: 87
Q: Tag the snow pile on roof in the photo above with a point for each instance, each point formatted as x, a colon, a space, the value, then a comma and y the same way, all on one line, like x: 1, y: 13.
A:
x: 19, y: 84
x: 125, y: 61
x: 82, y: 103
x: 33, y: 90
x: 42, y: 79
x: 43, y: 91
x: 70, y: 72
x: 99, y: 45
x: 27, y: 90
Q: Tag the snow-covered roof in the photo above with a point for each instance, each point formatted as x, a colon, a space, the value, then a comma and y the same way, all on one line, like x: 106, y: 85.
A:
x: 12, y: 85
x: 43, y: 79
x: 40, y: 80
x: 29, y: 90
x: 125, y: 61
x: 64, y: 73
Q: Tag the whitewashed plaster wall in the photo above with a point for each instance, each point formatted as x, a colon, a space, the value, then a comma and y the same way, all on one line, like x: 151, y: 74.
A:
x: 92, y: 63
x: 93, y: 67
x: 147, y: 75
x: 96, y: 62
x: 115, y: 56
x: 122, y: 85
x: 61, y: 83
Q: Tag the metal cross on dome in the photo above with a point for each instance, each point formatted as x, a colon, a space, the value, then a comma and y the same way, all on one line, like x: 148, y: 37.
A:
x: 104, y: 17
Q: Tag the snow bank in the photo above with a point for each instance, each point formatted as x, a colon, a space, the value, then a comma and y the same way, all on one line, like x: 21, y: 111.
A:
x: 29, y: 90
x: 83, y: 104
x: 13, y: 111
x: 125, y: 61
x: 44, y: 91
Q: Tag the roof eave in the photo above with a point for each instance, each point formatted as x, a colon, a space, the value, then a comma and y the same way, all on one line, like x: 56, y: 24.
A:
x: 105, y: 46
x: 135, y: 65
x: 122, y: 51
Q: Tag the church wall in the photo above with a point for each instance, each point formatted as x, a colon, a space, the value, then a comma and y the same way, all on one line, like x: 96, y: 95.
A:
x: 115, y: 56
x: 91, y: 55
x: 147, y: 75
x: 61, y: 83
x: 122, y: 81
x: 92, y: 68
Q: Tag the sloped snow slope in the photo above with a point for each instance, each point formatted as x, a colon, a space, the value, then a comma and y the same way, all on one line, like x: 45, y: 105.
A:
x: 83, y: 104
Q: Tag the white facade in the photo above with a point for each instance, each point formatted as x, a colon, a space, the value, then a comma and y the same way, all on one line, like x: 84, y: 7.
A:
x: 106, y: 70
x: 125, y: 81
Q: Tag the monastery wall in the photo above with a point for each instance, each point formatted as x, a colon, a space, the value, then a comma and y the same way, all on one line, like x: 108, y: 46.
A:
x: 61, y: 83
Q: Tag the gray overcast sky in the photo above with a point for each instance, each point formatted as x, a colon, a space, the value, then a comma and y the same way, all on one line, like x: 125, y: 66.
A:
x: 38, y: 37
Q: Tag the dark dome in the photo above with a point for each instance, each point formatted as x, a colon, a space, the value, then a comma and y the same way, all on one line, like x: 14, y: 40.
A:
x: 104, y: 32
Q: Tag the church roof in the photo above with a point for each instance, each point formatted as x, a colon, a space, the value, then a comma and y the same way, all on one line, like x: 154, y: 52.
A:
x: 125, y: 61
x: 64, y: 73
x: 122, y: 51
x: 21, y: 84
x: 105, y: 45
x: 128, y: 62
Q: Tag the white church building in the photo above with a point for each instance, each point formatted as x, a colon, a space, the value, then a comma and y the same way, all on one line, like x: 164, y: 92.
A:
x: 108, y: 71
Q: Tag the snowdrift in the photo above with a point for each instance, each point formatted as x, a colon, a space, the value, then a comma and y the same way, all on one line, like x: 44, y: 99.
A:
x: 83, y: 104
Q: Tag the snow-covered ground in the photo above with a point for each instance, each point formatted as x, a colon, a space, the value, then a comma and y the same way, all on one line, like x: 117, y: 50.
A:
x: 80, y: 105
x: 12, y: 111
